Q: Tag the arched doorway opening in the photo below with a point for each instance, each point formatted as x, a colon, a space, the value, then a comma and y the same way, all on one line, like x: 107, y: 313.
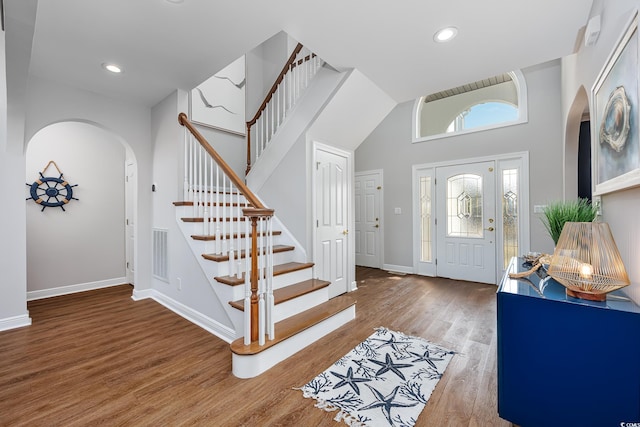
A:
x: 86, y: 246
x: 577, y: 148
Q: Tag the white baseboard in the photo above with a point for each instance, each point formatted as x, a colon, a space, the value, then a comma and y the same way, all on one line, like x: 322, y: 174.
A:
x: 208, y: 324
x: 138, y: 295
x: 14, y: 322
x: 399, y: 268
x: 72, y: 289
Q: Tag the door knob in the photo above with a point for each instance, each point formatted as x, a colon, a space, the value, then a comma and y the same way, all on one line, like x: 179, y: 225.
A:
x: 376, y: 226
x: 489, y: 229
x: 345, y: 232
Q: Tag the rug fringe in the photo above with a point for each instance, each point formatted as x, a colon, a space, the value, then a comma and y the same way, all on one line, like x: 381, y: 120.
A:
x: 328, y: 407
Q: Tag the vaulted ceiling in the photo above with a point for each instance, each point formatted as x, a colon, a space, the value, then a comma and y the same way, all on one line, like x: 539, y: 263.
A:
x: 163, y: 46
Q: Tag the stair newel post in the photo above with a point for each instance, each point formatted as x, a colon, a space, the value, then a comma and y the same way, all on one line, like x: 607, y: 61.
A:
x: 247, y: 283
x: 254, y: 214
x: 261, y: 286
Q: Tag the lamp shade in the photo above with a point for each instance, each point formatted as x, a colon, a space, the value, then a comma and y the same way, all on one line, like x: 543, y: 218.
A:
x: 586, y: 261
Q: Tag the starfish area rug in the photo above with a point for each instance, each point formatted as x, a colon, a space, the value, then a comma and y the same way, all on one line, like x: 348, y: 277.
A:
x: 385, y: 381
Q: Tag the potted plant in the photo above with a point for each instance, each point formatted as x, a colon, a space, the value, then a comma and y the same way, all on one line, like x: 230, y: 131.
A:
x: 556, y: 214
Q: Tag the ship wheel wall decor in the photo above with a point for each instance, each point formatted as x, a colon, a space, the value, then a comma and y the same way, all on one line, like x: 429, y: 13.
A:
x: 51, y: 192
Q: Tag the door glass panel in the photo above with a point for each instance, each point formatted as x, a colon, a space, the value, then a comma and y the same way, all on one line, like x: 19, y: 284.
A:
x: 464, y: 206
x: 425, y: 219
x: 510, y: 214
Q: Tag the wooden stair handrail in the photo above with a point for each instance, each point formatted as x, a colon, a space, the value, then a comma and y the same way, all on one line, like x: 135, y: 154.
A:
x: 290, y: 64
x: 274, y: 87
x: 248, y: 194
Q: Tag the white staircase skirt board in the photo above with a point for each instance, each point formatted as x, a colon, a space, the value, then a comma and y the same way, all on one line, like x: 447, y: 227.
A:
x: 298, y: 120
x: 14, y: 322
x: 299, y: 304
x: 249, y: 366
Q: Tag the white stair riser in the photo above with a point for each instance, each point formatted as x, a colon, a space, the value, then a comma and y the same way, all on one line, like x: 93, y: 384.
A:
x: 300, y: 304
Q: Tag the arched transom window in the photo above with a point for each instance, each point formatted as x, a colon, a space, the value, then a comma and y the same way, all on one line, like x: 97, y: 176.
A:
x: 494, y: 102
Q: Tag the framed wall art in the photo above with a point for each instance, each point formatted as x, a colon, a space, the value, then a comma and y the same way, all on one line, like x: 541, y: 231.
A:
x: 615, y: 140
x: 219, y: 101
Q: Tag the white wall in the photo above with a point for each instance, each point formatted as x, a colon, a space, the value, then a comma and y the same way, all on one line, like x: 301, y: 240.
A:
x: 194, y: 290
x: 389, y: 148
x: 15, y: 55
x: 264, y: 63
x: 581, y: 71
x: 352, y: 112
x: 86, y: 242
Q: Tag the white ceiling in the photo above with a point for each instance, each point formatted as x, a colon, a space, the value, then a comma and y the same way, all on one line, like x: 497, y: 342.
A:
x: 164, y: 46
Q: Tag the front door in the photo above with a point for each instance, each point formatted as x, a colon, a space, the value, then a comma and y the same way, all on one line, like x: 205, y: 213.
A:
x: 332, y: 247
x: 466, y: 227
x: 368, y: 224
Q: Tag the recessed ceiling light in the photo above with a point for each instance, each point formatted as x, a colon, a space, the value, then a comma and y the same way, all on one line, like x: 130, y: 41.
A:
x: 445, y: 34
x: 112, y: 67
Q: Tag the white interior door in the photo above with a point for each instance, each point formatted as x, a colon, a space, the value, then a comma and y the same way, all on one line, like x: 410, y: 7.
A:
x: 332, y: 243
x: 368, y: 224
x: 130, y: 198
x: 466, y: 226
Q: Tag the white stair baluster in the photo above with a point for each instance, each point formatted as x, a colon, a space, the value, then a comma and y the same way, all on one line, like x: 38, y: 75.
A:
x: 205, y: 206
x: 185, y: 184
x: 269, y: 278
x: 232, y: 226
x: 191, y: 175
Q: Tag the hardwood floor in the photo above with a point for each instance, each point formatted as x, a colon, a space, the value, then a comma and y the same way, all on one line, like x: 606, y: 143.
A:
x: 100, y: 358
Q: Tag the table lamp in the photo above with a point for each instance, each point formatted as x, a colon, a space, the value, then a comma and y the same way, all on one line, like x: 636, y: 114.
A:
x: 586, y: 261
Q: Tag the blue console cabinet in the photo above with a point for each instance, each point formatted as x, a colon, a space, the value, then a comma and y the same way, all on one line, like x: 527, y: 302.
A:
x: 564, y: 361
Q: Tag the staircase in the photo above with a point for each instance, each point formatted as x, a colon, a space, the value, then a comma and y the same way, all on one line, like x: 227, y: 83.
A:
x: 274, y: 302
x: 256, y: 268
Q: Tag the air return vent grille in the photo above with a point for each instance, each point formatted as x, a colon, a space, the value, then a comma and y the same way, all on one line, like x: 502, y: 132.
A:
x: 160, y: 254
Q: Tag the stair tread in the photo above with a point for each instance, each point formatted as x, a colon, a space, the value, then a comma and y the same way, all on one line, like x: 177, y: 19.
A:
x: 185, y: 203
x: 279, y: 269
x: 225, y: 257
x: 227, y: 236
x: 290, y: 292
x: 201, y: 219
x: 295, y: 324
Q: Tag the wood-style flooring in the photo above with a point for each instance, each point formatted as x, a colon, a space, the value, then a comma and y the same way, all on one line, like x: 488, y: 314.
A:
x: 100, y: 358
